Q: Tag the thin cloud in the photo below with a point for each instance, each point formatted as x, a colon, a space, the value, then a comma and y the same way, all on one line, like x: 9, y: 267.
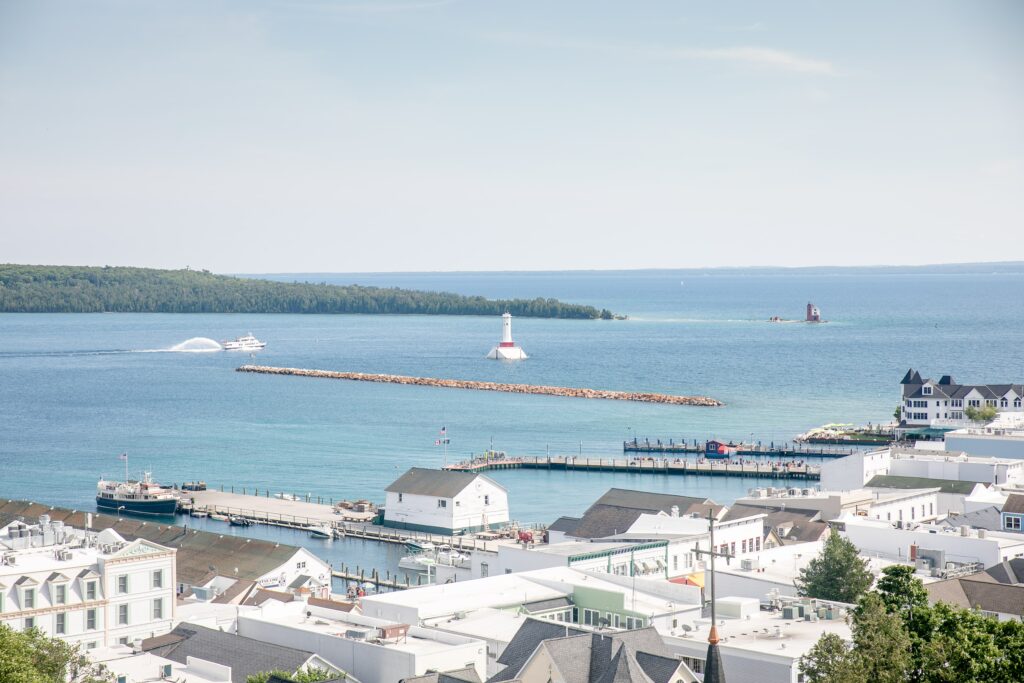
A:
x: 762, y: 57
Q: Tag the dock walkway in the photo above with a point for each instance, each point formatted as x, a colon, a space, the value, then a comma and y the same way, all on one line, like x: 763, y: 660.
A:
x: 299, y: 514
x: 774, y: 470
x: 784, y: 450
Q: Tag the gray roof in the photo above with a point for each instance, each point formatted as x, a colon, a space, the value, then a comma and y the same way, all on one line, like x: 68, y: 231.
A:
x: 421, y: 481
x: 638, y: 656
x: 465, y: 675
x: 197, y: 550
x: 985, y: 518
x: 617, y: 510
x: 979, y: 591
x: 523, y: 644
x: 245, y: 656
x: 564, y: 524
x: 1008, y: 571
x: 895, y: 481
x: 946, y: 387
x: 299, y: 581
x: 798, y: 526
x: 1014, y: 503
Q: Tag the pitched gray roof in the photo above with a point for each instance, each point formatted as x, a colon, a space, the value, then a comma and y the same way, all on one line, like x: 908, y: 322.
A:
x: 421, y: 481
x: 986, y: 594
x: 564, y: 524
x: 615, y: 511
x: 465, y: 675
x: 985, y: 518
x: 799, y: 526
x: 946, y: 387
x: 1008, y: 572
x: 1014, y: 503
x: 245, y: 656
x: 523, y: 644
x: 546, y: 605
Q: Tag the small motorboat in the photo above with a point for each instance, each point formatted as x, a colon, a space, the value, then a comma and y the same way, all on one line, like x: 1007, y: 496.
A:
x: 419, y: 546
x: 219, y: 517
x: 200, y: 513
x: 321, y: 531
x: 239, y: 521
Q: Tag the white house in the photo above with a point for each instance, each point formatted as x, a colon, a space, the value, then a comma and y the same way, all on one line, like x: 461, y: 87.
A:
x: 926, y: 403
x: 1001, y: 438
x: 91, y: 588
x: 445, y: 502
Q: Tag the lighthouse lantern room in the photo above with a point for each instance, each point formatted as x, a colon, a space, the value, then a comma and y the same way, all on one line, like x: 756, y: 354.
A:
x: 507, y: 349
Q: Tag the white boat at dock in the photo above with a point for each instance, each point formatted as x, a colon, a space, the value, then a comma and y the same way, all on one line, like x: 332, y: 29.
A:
x: 423, y: 561
x: 244, y: 343
x: 419, y: 546
x: 320, y: 531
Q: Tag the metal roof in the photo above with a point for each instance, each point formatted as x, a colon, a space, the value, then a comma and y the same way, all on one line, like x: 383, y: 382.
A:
x: 894, y: 481
x: 421, y: 481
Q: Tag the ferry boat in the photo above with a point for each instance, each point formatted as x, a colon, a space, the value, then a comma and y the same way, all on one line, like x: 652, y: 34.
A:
x: 137, y: 497
x: 246, y: 343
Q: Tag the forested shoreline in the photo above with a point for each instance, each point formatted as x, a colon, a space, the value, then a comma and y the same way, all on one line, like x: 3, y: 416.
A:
x: 81, y: 289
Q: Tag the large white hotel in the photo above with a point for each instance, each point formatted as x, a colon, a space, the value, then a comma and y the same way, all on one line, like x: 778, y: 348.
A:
x: 91, y: 588
x: 942, y: 403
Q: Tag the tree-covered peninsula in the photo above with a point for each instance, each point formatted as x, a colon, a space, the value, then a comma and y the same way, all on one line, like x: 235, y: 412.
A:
x: 75, y: 289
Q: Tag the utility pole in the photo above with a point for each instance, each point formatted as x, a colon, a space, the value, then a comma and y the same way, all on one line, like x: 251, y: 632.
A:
x: 713, y: 662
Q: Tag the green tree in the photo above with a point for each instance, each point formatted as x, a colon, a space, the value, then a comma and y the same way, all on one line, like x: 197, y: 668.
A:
x: 881, y: 641
x: 33, y: 657
x: 836, y: 574
x: 832, y: 660
x: 982, y: 414
x: 313, y: 675
x: 898, y: 412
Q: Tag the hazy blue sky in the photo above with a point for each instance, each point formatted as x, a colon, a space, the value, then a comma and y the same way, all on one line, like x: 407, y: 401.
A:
x: 344, y: 135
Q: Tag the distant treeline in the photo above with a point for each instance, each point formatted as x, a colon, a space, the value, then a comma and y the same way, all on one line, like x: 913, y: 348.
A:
x: 74, y: 289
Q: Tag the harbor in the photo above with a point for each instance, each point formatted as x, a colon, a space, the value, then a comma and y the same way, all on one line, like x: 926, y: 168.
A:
x: 784, y: 450
x: 568, y: 392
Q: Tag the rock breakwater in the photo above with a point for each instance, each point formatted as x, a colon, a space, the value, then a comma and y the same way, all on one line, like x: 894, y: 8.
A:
x: 571, y: 392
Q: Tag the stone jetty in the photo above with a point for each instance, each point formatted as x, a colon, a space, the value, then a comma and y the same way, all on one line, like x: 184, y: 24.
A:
x: 571, y: 392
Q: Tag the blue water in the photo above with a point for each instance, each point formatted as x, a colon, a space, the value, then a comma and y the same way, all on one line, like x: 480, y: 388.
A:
x: 76, y: 390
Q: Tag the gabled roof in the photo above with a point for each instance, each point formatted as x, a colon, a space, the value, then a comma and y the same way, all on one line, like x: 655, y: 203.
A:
x: 465, y: 675
x: 800, y: 526
x: 1014, y: 503
x: 1008, y: 572
x: 56, y: 577
x: 300, y: 581
x: 236, y: 593
x: 972, y: 593
x: 912, y: 377
x: 245, y: 656
x: 894, y: 481
x: 564, y: 524
x: 26, y: 581
x: 526, y: 640
x: 546, y: 605
x: 617, y: 510
x: 985, y: 518
x: 421, y: 481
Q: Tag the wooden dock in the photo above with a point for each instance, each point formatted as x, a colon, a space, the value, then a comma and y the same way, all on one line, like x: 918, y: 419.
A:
x: 784, y: 450
x: 258, y: 508
x: 771, y: 470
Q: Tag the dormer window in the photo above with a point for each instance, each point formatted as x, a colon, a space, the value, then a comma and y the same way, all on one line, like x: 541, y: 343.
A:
x: 28, y: 598
x: 926, y: 390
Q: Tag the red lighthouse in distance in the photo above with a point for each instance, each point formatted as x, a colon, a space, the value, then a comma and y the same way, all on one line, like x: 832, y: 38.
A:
x: 813, y: 314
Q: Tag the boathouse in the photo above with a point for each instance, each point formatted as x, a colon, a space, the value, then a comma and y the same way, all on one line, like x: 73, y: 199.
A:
x: 445, y: 502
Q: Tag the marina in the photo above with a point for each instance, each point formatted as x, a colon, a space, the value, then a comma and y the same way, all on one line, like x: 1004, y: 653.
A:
x: 785, y: 450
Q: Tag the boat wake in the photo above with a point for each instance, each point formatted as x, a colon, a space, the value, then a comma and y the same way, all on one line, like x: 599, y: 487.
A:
x: 195, y: 345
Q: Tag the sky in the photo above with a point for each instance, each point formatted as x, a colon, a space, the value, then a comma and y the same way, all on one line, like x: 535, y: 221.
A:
x: 354, y: 135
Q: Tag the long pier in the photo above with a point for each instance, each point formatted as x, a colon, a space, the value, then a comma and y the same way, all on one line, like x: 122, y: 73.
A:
x: 773, y: 470
x: 570, y: 392
x: 784, y: 450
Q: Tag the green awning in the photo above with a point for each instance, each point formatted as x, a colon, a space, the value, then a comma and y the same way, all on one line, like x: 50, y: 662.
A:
x: 927, y: 431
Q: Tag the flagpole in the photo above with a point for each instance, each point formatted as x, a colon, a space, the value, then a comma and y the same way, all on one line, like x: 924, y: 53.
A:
x: 126, y: 467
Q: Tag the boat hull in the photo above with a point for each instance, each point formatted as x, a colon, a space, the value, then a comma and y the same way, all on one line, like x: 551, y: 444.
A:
x: 139, y: 507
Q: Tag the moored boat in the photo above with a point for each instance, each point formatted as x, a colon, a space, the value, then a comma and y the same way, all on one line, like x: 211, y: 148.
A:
x: 321, y: 531
x: 419, y: 546
x: 142, y: 497
x: 235, y: 520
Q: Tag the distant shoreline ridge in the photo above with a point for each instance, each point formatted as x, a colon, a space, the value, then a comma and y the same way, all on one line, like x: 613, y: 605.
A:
x: 568, y: 392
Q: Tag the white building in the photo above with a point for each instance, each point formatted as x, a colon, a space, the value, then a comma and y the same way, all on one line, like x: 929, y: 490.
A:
x: 883, y: 503
x: 373, y: 650
x: 926, y: 403
x: 128, y: 666
x: 1001, y: 438
x: 856, y: 470
x: 445, y: 502
x: 95, y: 589
x: 761, y: 646
x: 506, y: 348
x: 909, y: 542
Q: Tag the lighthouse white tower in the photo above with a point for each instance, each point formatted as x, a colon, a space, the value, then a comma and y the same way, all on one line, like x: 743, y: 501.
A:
x: 507, y: 349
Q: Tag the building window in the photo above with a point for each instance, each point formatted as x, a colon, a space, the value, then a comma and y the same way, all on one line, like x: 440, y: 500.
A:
x: 30, y: 622
x: 60, y: 594
x: 1011, y: 522
x: 757, y: 543
x: 1003, y: 403
x: 158, y: 578
x: 90, y: 620
x: 90, y: 590
x: 591, y: 617
x: 675, y: 562
x: 123, y: 640
x: 487, y: 500
x: 122, y: 583
x: 300, y: 565
x: 60, y: 623
x: 399, y: 497
x: 926, y: 390
x: 1016, y: 402
x: 29, y: 598
x: 442, y: 503
x: 122, y: 614
x: 484, y: 570
x: 158, y: 609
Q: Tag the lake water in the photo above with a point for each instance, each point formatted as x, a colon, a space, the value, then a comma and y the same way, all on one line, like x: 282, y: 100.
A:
x: 76, y: 390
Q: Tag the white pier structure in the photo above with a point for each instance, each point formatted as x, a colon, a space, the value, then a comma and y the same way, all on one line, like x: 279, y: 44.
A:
x: 507, y: 349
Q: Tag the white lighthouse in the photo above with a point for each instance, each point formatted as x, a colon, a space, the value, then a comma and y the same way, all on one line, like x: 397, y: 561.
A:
x: 507, y: 349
